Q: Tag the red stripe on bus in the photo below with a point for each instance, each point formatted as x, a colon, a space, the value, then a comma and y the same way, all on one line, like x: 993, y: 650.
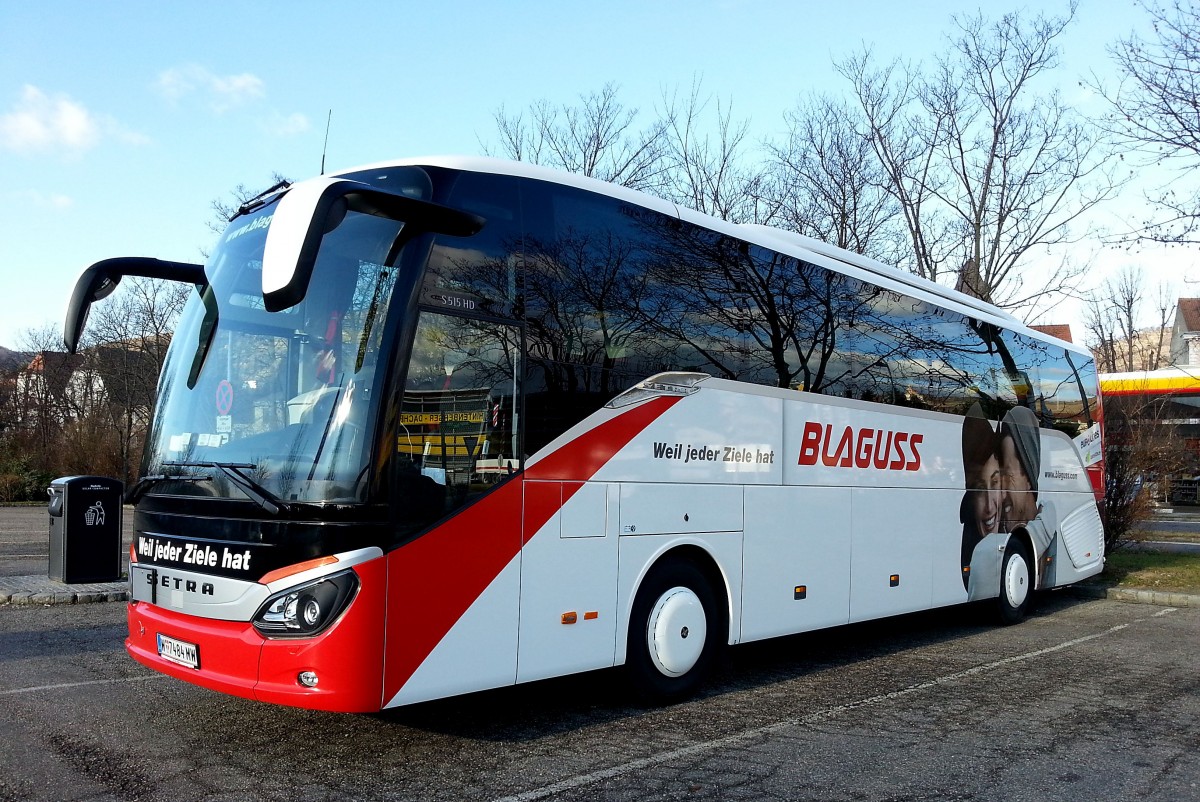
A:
x: 435, y: 579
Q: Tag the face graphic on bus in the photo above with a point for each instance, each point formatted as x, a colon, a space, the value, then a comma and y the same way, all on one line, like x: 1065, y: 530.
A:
x: 1020, y: 460
x: 1020, y: 500
x: 986, y: 497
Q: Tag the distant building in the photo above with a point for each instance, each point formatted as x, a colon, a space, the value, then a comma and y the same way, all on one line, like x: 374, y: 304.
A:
x: 1060, y: 330
x: 1160, y: 409
x: 59, y: 387
x: 1185, y: 334
x: 42, y: 392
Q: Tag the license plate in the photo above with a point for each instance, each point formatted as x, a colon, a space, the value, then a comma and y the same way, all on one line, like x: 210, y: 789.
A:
x: 177, y: 651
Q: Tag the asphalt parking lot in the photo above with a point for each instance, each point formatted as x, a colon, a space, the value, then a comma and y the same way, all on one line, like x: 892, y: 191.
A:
x: 1085, y: 700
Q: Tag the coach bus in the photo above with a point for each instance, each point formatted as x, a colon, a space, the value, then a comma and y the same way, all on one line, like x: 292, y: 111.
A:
x: 707, y: 434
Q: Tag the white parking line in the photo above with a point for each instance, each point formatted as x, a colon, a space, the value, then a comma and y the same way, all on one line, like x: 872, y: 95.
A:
x: 821, y: 715
x: 60, y: 685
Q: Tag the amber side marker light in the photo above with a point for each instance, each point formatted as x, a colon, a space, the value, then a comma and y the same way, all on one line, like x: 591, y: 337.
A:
x: 591, y: 616
x: 894, y: 580
x: 569, y: 618
x: 292, y: 570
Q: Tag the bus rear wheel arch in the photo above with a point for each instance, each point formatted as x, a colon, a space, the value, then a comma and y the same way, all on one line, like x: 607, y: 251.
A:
x: 677, y: 626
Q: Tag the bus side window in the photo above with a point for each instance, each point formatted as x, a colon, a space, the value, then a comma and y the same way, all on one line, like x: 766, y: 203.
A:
x: 1047, y: 383
x: 479, y: 274
x: 586, y: 277
x: 911, y: 353
x: 458, y: 434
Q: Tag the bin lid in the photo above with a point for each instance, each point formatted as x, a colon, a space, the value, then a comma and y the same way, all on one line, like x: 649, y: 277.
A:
x: 99, y: 481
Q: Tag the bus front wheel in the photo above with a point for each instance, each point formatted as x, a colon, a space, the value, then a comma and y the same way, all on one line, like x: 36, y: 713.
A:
x: 1016, y: 583
x: 675, y: 630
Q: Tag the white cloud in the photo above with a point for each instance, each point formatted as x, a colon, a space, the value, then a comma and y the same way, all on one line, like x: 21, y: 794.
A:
x: 43, y: 200
x: 220, y: 92
x: 121, y: 133
x: 282, y: 125
x: 41, y: 123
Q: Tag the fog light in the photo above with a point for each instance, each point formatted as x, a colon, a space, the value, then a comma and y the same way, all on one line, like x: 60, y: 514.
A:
x: 308, y: 679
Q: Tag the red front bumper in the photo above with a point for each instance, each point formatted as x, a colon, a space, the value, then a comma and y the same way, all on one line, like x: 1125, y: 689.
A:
x: 235, y: 659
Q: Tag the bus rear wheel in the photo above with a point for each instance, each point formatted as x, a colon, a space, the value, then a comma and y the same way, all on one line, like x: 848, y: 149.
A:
x: 1016, y: 583
x: 675, y: 629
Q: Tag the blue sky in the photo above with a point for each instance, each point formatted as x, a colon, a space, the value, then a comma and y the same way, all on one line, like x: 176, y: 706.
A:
x: 121, y: 122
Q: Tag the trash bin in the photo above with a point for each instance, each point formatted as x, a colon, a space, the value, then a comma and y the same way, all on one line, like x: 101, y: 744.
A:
x: 85, y: 529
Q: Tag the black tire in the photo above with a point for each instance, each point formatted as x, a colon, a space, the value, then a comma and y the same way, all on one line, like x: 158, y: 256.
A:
x: 1016, y: 584
x: 662, y: 660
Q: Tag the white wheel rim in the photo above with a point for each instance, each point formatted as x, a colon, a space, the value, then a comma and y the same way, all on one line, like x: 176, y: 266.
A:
x: 676, y: 631
x: 1016, y: 580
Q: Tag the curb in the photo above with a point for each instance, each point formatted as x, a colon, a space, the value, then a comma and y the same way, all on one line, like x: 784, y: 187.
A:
x: 1161, y: 598
x: 40, y: 590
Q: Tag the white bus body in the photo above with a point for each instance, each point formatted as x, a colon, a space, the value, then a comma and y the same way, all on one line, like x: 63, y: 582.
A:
x: 850, y: 443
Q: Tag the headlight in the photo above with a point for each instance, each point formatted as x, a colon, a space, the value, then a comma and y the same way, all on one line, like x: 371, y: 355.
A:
x: 307, y: 609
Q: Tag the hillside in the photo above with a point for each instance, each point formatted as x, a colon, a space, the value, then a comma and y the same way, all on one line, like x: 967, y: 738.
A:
x: 11, y: 360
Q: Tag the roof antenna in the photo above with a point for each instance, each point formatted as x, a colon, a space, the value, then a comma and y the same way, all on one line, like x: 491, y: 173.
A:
x: 325, y: 147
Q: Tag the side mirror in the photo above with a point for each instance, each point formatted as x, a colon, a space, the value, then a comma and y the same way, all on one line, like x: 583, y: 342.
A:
x: 311, y: 209
x: 100, y: 279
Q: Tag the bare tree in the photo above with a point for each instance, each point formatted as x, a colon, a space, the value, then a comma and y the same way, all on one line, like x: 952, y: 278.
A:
x: 710, y: 170
x: 1164, y: 307
x: 990, y: 167
x: 87, y: 413
x: 595, y: 137
x: 1126, y: 291
x: 1099, y: 323
x: 124, y: 353
x: 34, y: 416
x: 1155, y: 108
x: 1142, y: 448
x: 827, y: 183
x: 42, y: 397
x: 1113, y: 316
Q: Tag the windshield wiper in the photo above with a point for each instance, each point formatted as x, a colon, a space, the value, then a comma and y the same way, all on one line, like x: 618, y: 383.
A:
x: 259, y: 200
x: 233, y: 470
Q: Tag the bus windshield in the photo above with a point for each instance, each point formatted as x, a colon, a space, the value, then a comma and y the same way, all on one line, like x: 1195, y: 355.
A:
x: 278, y: 402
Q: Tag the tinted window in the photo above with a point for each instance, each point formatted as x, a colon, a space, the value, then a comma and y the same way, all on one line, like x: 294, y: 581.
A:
x: 912, y: 353
x: 457, y: 436
x: 478, y: 274
x: 1047, y: 382
x: 587, y: 279
x: 614, y: 293
x: 747, y: 313
x: 1090, y: 384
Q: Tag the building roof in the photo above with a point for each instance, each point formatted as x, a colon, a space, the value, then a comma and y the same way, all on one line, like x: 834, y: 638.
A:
x: 55, y: 369
x: 1166, y: 381
x: 1188, y: 312
x: 1060, y: 330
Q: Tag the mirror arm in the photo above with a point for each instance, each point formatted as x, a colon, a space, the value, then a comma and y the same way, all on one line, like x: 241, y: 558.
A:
x: 100, y: 279
x: 310, y: 210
